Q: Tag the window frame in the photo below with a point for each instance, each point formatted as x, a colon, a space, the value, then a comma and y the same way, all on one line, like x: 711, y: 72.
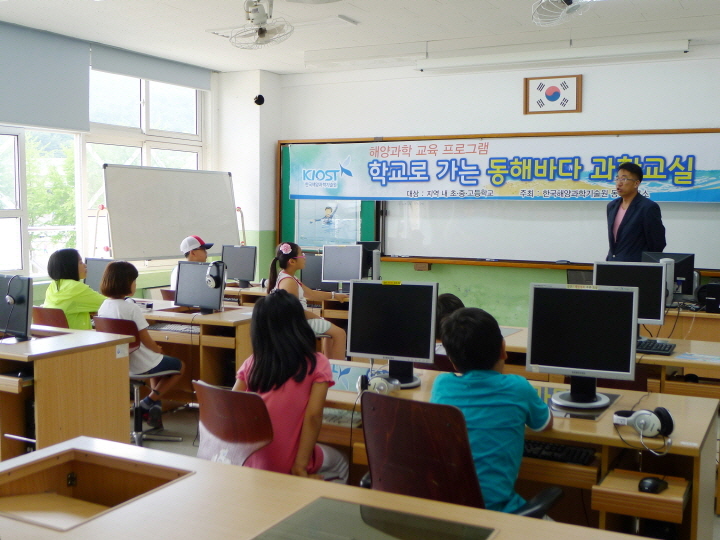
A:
x: 21, y: 193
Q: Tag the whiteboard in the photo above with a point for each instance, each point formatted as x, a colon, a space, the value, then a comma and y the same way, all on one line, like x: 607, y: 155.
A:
x: 151, y: 210
x: 573, y: 231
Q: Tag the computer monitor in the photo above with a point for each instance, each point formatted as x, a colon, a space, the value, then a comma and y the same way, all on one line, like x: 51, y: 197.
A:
x: 367, y: 261
x: 95, y: 271
x: 686, y: 279
x: 192, y: 288
x: 586, y: 332
x: 240, y: 263
x: 16, y: 303
x: 311, y: 275
x: 649, y: 278
x: 395, y: 322
x: 342, y: 264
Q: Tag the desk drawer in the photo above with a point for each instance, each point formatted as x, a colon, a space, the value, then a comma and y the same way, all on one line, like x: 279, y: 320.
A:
x: 222, y: 342
x: 174, y: 337
x: 563, y: 474
x: 14, y: 385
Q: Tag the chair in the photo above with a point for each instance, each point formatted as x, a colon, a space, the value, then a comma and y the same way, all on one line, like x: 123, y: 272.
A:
x: 129, y: 328
x: 49, y: 317
x: 422, y: 449
x: 233, y: 425
x: 168, y: 294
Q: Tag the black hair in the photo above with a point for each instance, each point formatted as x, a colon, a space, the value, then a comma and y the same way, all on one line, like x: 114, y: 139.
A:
x: 63, y: 264
x: 447, y: 303
x: 282, y: 259
x: 472, y: 339
x: 117, y: 279
x: 282, y: 340
x: 632, y: 168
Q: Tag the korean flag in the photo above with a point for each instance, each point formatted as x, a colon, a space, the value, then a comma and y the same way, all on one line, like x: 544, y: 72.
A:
x: 552, y: 95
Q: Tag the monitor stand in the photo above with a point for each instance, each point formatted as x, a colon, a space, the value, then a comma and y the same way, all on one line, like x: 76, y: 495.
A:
x: 403, y: 372
x: 582, y: 395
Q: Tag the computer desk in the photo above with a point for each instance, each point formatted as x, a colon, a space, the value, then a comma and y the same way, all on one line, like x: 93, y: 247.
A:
x: 217, y: 500
x: 685, y: 324
x: 79, y: 386
x: 691, y: 457
x: 214, y: 354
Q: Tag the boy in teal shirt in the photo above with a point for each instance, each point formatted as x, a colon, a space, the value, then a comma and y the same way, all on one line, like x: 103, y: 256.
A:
x: 496, y: 407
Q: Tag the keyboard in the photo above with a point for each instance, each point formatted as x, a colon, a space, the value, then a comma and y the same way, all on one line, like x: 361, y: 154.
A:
x: 652, y: 346
x: 175, y: 327
x: 341, y: 417
x: 578, y: 455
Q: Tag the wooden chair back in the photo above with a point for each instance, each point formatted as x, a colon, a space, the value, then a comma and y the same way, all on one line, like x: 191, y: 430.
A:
x: 119, y: 326
x: 49, y: 317
x: 233, y: 425
x: 168, y: 294
x: 419, y: 449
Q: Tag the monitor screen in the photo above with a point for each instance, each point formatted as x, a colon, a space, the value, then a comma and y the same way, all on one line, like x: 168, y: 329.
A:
x: 342, y: 263
x: 193, y: 290
x: 367, y: 262
x: 649, y: 278
x: 95, y: 271
x: 240, y: 263
x: 15, y: 307
x: 582, y: 331
x: 684, y: 278
x: 311, y: 275
x: 393, y: 321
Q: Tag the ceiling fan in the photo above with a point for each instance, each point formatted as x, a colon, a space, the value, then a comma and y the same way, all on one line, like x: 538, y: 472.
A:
x: 553, y: 12
x: 262, y: 30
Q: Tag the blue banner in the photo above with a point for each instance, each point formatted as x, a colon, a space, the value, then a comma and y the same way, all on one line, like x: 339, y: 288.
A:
x: 677, y: 168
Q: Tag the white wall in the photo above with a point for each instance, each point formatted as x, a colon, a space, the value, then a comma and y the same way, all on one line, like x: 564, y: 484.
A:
x: 646, y: 95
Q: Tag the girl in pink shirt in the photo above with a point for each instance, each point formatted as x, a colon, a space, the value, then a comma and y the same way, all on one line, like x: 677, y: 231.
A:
x: 293, y: 381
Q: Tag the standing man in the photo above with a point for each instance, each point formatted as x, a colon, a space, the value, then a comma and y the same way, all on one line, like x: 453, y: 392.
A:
x: 634, y: 221
x: 195, y: 249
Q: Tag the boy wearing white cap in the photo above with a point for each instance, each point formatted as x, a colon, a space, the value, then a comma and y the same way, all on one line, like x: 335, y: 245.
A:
x: 195, y: 249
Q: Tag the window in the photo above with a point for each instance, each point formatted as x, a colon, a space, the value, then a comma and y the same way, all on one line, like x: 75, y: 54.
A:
x: 13, y: 212
x: 52, y: 184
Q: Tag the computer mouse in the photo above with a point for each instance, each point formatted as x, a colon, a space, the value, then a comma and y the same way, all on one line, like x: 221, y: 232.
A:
x: 652, y: 484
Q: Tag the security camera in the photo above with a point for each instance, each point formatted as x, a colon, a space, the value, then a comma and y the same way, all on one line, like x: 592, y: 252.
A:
x: 259, y: 99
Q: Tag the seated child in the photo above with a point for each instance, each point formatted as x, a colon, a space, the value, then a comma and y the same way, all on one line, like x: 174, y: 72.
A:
x: 118, y: 284
x: 66, y: 268
x: 293, y: 381
x: 290, y: 258
x: 496, y: 407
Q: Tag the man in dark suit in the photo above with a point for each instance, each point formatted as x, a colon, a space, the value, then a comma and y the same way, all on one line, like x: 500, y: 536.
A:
x: 634, y: 221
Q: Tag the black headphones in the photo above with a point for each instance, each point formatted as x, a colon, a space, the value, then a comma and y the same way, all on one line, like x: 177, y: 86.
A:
x: 215, y: 278
x: 9, y: 298
x: 646, y: 423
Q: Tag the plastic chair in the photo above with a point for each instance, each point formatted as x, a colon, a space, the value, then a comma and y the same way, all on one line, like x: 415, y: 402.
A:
x: 49, y: 317
x: 422, y: 449
x: 233, y: 425
x: 129, y: 328
x: 168, y: 294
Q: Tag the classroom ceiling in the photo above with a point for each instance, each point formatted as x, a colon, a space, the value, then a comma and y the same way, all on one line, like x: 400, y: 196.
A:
x: 388, y: 32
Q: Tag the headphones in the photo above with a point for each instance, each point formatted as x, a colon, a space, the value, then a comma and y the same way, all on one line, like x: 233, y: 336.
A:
x: 9, y: 298
x: 214, y: 278
x: 379, y: 385
x: 646, y: 423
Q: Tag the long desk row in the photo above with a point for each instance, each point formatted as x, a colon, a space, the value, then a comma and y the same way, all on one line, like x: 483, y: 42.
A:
x: 122, y: 489
x: 691, y: 457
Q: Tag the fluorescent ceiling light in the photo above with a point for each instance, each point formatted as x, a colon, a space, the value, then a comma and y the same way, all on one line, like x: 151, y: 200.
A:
x: 551, y: 55
x: 370, y: 56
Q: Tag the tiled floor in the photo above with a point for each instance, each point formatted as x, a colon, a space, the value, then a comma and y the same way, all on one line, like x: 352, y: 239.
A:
x: 184, y: 422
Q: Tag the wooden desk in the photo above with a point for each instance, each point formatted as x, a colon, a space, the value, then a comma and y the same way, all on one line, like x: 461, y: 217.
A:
x: 694, y: 325
x: 214, y: 354
x: 79, y: 387
x: 692, y: 455
x: 227, y: 501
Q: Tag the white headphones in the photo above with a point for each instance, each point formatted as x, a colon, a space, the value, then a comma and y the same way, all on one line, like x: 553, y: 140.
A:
x: 377, y: 384
x: 648, y: 424
x: 215, y: 278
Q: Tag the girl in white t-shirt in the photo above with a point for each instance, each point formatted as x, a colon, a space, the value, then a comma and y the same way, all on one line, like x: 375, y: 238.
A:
x: 118, y: 284
x: 290, y: 258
